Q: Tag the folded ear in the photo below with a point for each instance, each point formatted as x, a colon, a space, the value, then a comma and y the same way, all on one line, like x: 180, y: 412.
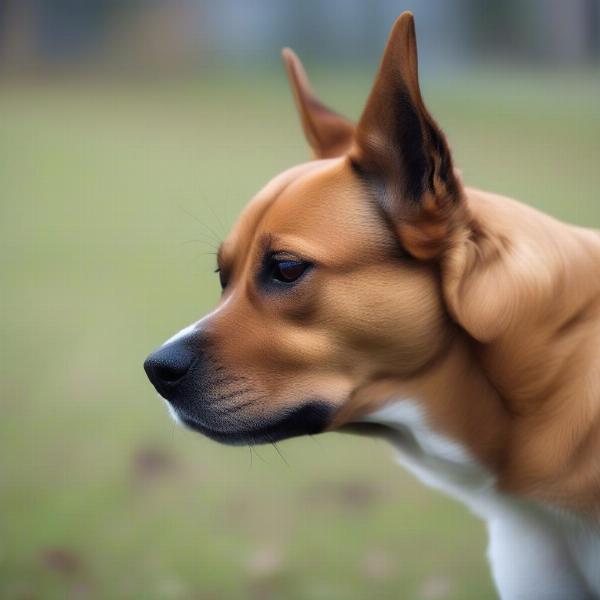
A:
x: 328, y: 134
x: 511, y: 271
x: 402, y: 152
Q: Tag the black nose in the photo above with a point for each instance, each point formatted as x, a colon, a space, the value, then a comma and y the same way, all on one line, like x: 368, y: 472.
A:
x: 167, y: 367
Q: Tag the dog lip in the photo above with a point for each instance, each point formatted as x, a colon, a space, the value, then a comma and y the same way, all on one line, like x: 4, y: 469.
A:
x: 219, y: 436
x: 310, y: 418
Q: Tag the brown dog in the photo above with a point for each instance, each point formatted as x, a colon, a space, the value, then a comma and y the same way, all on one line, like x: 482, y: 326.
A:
x: 369, y: 286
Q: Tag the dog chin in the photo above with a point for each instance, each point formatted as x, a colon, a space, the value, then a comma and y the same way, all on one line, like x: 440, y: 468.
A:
x: 309, y: 419
x: 172, y: 411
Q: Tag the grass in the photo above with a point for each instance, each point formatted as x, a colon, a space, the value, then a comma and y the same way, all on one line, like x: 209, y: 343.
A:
x: 112, y: 196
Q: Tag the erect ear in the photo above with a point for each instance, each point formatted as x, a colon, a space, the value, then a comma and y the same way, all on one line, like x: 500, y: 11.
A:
x: 328, y: 134
x: 400, y: 150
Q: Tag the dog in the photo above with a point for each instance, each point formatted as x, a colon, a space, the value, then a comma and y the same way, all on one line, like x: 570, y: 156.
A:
x: 370, y: 290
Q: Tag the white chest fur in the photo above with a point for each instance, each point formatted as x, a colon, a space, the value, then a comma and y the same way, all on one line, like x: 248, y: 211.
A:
x: 535, y: 553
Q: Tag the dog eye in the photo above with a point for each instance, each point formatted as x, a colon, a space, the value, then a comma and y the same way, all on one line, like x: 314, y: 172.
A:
x: 288, y: 271
x: 222, y: 278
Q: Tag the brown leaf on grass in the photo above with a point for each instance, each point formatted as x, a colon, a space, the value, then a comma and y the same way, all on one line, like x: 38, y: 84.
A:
x: 62, y: 560
x: 353, y: 495
x: 151, y: 462
x: 265, y: 562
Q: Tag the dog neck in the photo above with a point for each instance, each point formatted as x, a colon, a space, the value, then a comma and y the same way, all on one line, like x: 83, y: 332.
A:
x: 543, y: 362
x: 452, y: 396
x: 523, y: 399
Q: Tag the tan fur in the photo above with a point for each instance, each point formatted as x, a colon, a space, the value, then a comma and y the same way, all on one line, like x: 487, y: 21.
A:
x: 493, y: 321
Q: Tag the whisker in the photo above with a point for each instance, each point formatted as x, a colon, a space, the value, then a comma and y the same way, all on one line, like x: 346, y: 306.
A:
x: 235, y: 388
x: 315, y: 440
x: 235, y: 393
x: 227, y: 379
x: 274, y: 444
x: 218, y: 219
x: 231, y: 409
x: 258, y: 453
x: 206, y: 227
x: 250, y: 448
x: 201, y: 241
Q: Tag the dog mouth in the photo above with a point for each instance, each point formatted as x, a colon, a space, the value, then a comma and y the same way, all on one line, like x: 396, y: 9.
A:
x: 205, y: 396
x: 308, y: 419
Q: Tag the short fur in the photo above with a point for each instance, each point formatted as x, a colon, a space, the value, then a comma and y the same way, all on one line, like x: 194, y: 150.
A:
x: 462, y: 325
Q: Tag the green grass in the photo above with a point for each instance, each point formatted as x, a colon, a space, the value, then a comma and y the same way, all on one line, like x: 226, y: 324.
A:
x: 110, y: 197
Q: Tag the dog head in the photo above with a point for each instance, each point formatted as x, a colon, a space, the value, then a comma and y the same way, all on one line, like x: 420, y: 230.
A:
x: 331, y: 276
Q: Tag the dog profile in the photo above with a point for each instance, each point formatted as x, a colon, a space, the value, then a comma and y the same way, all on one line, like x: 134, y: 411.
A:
x: 370, y: 290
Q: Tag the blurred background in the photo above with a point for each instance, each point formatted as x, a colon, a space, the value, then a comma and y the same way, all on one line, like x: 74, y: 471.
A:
x: 131, y: 134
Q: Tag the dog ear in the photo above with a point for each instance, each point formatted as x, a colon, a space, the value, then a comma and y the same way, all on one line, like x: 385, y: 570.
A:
x: 402, y: 153
x: 328, y: 134
x: 507, y: 271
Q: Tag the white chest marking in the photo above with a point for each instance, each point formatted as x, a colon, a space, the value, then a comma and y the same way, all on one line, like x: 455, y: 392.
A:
x: 534, y: 552
x: 436, y: 460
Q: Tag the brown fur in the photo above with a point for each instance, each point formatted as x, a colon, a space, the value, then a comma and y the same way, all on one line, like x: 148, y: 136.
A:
x: 483, y: 308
